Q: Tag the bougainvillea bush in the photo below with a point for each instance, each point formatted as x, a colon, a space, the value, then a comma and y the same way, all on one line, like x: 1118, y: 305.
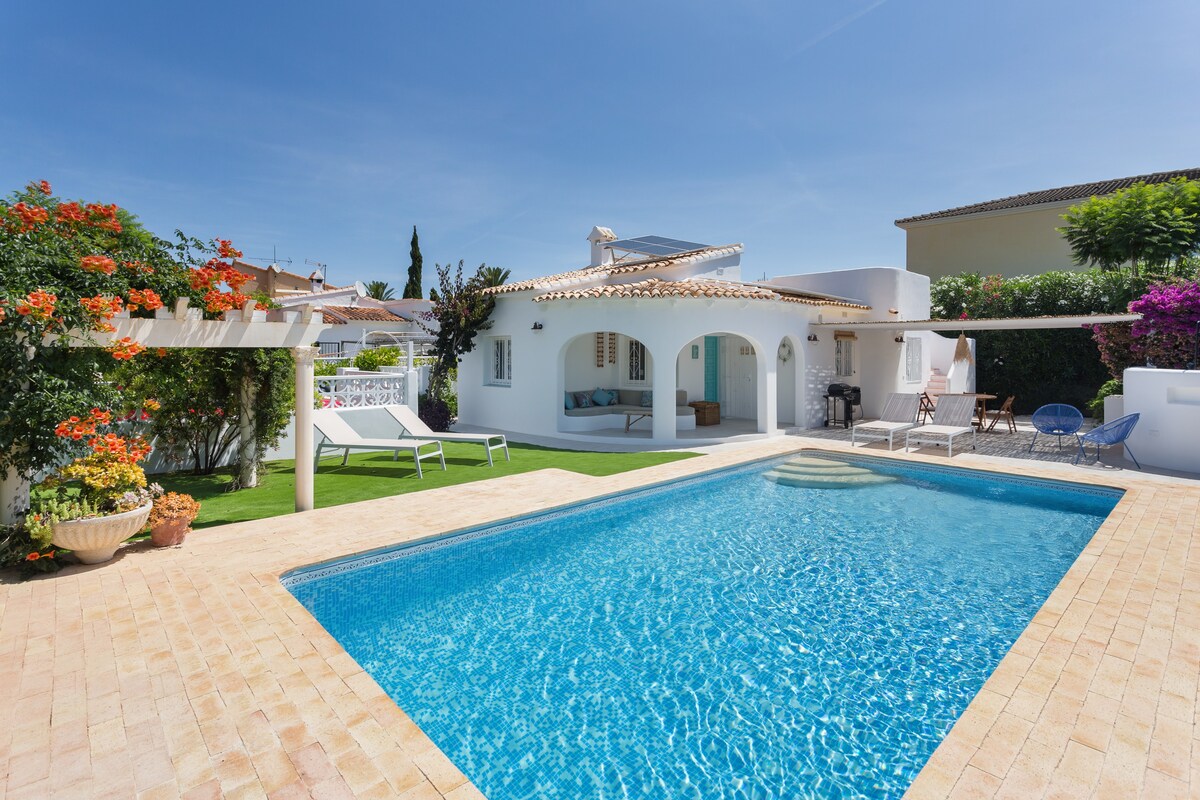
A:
x: 1036, y: 366
x: 1165, y: 336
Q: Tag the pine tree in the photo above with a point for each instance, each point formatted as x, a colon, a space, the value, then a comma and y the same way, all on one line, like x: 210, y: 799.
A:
x: 413, y: 287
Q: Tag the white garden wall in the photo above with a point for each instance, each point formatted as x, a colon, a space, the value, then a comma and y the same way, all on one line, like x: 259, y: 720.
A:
x: 1168, y: 433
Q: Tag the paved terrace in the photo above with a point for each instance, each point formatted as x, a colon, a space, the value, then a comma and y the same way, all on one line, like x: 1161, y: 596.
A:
x: 192, y: 673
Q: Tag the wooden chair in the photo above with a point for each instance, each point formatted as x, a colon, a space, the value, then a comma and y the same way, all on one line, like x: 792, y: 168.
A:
x: 928, y: 408
x: 1005, y: 412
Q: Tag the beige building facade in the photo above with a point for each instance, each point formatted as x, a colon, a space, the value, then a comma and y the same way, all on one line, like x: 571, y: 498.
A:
x: 1011, y: 236
x: 1023, y: 241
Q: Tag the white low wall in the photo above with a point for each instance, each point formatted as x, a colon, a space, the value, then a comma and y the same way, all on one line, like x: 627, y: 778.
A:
x: 1168, y: 433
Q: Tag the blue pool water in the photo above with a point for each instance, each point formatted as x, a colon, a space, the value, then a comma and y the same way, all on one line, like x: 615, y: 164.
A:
x: 723, y: 638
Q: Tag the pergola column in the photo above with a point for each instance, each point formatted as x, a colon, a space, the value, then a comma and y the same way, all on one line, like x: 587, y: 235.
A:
x: 14, y: 497
x: 305, y: 389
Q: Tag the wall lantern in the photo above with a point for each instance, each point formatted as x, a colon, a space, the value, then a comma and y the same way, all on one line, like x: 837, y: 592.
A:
x: 537, y: 326
x: 812, y: 337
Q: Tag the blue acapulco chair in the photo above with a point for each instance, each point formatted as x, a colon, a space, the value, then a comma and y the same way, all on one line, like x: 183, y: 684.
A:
x: 1110, y: 433
x: 1056, y: 419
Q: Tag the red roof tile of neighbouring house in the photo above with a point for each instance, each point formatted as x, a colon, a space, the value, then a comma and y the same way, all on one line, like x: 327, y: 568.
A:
x: 616, y: 268
x: 340, y: 315
x: 655, y: 288
x: 1081, y: 191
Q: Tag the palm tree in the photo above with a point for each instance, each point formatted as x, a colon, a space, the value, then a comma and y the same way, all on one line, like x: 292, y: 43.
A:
x: 380, y: 290
x: 492, y: 276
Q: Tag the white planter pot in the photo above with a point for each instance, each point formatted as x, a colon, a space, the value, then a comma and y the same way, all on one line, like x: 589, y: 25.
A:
x: 95, y: 540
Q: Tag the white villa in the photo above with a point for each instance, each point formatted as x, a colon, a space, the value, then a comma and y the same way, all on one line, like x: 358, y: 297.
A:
x: 653, y: 325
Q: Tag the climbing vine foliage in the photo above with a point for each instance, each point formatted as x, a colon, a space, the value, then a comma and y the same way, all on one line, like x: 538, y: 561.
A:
x: 71, y: 268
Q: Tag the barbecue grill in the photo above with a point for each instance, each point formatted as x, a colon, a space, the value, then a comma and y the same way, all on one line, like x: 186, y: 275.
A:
x: 840, y: 402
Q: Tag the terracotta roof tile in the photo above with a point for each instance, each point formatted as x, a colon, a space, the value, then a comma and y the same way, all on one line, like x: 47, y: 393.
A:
x: 1081, y: 191
x: 654, y: 287
x: 361, y: 314
x: 619, y: 268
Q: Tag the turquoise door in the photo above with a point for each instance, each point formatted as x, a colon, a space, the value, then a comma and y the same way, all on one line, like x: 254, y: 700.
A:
x: 712, y: 368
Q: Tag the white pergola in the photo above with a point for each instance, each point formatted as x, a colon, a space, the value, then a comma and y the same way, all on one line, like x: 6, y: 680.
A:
x: 247, y: 327
x: 998, y: 324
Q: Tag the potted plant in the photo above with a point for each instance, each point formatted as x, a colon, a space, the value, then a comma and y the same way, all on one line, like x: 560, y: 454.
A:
x: 171, y: 518
x: 112, y: 501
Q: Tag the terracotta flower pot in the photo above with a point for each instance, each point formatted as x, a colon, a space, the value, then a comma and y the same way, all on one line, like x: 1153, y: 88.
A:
x: 95, y: 540
x: 170, y: 532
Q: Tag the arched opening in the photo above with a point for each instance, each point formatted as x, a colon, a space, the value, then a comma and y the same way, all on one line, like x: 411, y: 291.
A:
x: 607, y: 385
x: 726, y: 372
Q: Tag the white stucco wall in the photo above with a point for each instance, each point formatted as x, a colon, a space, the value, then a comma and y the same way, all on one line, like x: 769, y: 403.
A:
x: 1011, y: 242
x: 882, y: 288
x: 690, y: 371
x: 1168, y: 433
x: 582, y: 374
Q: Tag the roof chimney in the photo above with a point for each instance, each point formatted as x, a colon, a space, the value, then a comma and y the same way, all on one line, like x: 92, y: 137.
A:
x: 317, y: 280
x: 599, y: 237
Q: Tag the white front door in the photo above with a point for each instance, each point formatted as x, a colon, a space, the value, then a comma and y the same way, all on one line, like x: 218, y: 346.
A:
x: 742, y: 369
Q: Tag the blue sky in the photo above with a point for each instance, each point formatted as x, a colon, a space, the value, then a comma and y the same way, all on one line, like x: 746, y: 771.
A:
x: 504, y: 131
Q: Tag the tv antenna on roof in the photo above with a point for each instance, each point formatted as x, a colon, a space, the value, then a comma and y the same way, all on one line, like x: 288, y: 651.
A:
x: 274, y: 259
x: 319, y: 265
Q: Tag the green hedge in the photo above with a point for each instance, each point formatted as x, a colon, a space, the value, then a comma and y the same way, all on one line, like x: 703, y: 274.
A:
x: 1038, y: 366
x: 371, y: 360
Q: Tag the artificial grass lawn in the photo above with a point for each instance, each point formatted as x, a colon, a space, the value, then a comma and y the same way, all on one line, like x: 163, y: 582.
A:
x: 372, y: 475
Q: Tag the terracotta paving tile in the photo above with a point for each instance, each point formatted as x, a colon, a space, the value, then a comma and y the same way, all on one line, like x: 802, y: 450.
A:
x: 312, y: 764
x: 191, y: 672
x: 975, y: 784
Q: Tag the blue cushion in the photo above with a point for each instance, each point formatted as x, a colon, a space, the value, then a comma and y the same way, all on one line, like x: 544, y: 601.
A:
x: 583, y: 400
x: 568, y: 400
x: 603, y: 397
x: 647, y: 399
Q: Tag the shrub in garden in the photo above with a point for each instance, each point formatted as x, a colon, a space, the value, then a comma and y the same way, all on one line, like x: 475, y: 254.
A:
x: 70, y: 267
x: 371, y: 360
x: 199, y: 394
x: 1037, y: 366
x: 1166, y: 334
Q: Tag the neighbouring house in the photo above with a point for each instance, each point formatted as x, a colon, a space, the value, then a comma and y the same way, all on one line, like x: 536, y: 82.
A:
x: 359, y: 321
x: 659, y: 324
x: 277, y: 282
x: 1011, y: 236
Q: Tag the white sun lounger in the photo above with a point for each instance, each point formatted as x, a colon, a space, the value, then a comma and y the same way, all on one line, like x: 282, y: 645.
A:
x: 899, y: 414
x: 336, y: 434
x: 951, y: 419
x: 414, y: 427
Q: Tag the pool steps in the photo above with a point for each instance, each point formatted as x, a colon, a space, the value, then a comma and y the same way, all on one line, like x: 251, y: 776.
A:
x: 818, y: 473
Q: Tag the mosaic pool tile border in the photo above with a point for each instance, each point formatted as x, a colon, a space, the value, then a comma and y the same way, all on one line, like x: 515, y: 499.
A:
x: 308, y: 574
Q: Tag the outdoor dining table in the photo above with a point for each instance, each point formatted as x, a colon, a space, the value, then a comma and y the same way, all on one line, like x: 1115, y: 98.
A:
x: 980, y: 404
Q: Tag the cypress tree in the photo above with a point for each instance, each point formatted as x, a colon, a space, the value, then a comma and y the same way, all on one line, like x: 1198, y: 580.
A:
x: 413, y: 287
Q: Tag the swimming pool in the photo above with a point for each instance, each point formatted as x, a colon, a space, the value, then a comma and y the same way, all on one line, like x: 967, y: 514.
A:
x: 723, y: 637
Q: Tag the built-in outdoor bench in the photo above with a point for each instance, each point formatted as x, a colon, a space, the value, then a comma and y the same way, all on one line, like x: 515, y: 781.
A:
x: 627, y: 408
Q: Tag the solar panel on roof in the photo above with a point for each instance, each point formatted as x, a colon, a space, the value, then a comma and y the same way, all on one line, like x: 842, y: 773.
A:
x: 655, y: 245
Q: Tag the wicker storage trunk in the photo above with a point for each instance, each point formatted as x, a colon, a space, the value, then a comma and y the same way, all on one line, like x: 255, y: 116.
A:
x: 707, y: 413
